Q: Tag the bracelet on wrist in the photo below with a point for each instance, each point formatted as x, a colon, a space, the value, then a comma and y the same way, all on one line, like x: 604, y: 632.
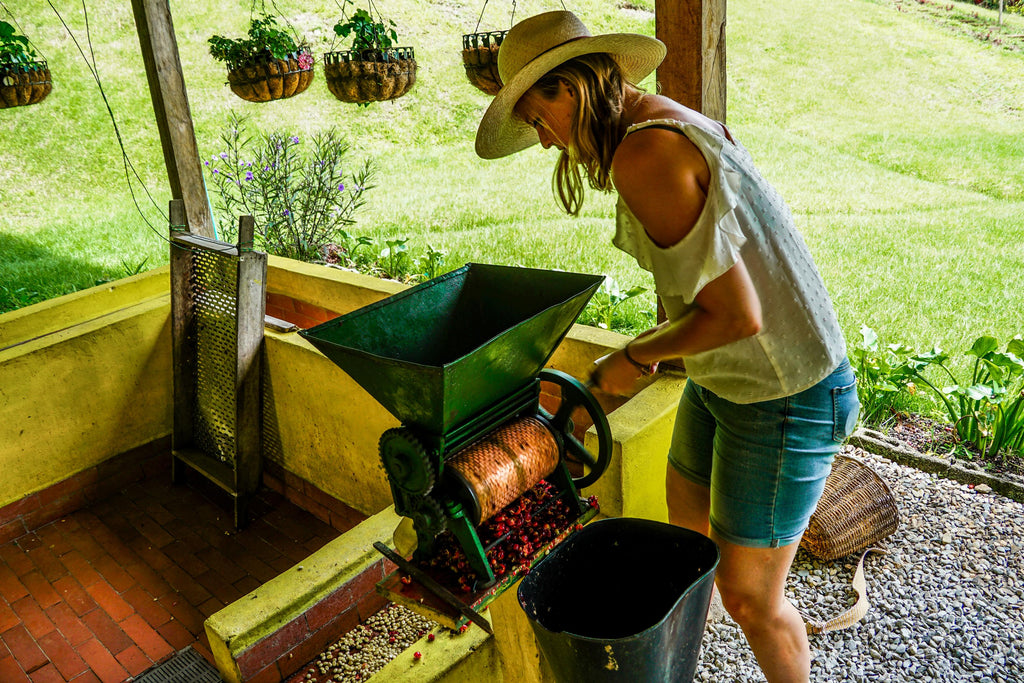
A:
x: 644, y: 369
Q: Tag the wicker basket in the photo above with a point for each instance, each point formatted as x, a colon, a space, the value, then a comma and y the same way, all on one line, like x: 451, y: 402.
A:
x: 370, y: 75
x: 22, y: 84
x: 856, y: 510
x: 480, y: 58
x: 270, y: 79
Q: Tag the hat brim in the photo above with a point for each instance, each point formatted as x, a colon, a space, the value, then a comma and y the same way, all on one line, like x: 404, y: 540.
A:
x: 500, y: 133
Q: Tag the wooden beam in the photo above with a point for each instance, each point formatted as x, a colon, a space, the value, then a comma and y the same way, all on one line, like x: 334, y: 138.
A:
x: 693, y: 72
x: 173, y: 117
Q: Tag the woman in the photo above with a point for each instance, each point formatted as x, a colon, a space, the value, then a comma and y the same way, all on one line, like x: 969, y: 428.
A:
x: 770, y: 395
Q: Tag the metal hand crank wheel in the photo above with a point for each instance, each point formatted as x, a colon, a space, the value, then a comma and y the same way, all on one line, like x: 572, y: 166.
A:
x: 575, y: 395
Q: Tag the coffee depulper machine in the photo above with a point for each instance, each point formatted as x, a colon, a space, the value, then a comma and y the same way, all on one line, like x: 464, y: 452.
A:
x: 489, y: 477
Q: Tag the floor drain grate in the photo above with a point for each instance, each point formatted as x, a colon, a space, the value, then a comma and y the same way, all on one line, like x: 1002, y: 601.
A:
x: 188, y: 666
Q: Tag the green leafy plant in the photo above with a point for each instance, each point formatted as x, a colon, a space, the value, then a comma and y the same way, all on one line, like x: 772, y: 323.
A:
x: 301, y: 197
x: 12, y: 298
x: 395, y: 258
x: 129, y: 269
x: 354, y: 252
x: 366, y: 33
x: 601, y: 311
x: 986, y: 408
x: 389, y: 258
x: 431, y: 263
x: 264, y: 40
x: 883, y: 376
x: 14, y: 47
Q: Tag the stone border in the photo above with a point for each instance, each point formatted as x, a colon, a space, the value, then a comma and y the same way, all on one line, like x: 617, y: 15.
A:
x: 879, y: 443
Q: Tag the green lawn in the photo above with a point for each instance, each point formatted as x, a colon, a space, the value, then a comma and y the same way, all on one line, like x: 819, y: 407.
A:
x: 897, y: 141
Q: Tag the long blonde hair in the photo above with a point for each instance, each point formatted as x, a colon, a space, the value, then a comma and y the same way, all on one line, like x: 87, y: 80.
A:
x: 595, y: 128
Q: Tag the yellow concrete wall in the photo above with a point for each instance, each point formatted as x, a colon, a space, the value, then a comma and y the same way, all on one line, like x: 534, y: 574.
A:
x: 320, y: 425
x: 641, y: 426
x: 325, y: 426
x: 46, y: 317
x: 634, y: 484
x: 289, y: 595
x: 87, y: 376
x: 77, y: 396
x: 330, y: 288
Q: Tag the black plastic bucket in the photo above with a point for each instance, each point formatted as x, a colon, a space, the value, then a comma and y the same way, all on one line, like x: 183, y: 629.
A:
x: 622, y: 600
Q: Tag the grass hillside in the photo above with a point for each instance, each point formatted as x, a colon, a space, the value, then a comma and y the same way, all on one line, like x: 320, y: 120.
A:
x: 896, y: 140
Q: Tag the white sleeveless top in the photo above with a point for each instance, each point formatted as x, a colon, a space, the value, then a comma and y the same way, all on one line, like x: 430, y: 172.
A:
x: 800, y: 342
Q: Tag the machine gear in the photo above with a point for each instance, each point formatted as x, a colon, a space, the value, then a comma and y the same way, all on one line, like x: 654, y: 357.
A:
x: 406, y: 461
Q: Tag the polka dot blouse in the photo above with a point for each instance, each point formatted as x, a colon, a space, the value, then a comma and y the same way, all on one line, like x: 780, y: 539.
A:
x: 800, y: 342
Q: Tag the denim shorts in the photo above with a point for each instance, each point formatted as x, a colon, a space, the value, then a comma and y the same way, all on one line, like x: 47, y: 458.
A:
x: 765, y: 463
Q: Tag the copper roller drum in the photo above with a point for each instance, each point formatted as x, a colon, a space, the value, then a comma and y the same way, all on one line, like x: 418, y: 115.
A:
x: 503, y: 465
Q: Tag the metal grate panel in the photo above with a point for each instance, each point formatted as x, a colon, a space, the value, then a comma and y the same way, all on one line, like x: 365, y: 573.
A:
x: 214, y: 293
x: 188, y: 666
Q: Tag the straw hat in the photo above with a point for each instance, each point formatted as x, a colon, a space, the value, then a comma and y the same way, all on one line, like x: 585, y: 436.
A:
x: 537, y: 45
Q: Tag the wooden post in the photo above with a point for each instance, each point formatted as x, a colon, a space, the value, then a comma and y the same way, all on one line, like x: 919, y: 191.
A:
x: 183, y: 361
x: 252, y: 278
x: 173, y: 117
x: 693, y: 72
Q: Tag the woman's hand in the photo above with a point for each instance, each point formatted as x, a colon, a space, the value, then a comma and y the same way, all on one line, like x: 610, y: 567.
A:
x: 615, y: 374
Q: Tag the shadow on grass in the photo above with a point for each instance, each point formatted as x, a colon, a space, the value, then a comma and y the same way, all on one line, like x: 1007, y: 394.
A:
x: 31, y: 272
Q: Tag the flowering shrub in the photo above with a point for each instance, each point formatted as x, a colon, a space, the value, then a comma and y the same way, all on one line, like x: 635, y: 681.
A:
x: 301, y: 196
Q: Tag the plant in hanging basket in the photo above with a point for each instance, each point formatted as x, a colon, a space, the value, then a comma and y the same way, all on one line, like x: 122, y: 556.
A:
x: 267, y: 65
x: 373, y: 70
x: 480, y: 58
x: 24, y: 78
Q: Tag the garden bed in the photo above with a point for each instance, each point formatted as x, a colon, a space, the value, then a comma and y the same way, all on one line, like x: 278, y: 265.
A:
x: 924, y: 445
x: 926, y: 435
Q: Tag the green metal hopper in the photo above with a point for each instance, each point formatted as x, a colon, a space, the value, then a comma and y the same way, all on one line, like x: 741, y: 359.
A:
x: 441, y: 352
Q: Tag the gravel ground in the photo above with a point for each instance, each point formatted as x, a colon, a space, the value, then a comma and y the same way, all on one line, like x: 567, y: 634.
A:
x: 947, y: 600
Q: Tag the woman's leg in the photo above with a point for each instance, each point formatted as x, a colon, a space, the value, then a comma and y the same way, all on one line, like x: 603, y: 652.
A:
x: 690, y: 458
x: 688, y: 502
x: 770, y: 465
x: 752, y: 583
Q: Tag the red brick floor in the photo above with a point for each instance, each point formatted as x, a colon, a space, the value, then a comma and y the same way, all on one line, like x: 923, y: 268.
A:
x: 106, y: 592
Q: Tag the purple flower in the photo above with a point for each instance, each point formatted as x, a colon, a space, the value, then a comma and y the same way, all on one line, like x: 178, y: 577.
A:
x: 295, y: 139
x: 207, y: 163
x: 341, y: 187
x: 286, y: 212
x: 248, y: 175
x: 223, y: 155
x: 216, y: 171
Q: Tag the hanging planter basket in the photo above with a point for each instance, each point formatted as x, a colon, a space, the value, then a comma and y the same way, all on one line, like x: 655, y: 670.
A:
x: 267, y: 78
x: 364, y: 76
x: 480, y: 58
x: 22, y: 84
